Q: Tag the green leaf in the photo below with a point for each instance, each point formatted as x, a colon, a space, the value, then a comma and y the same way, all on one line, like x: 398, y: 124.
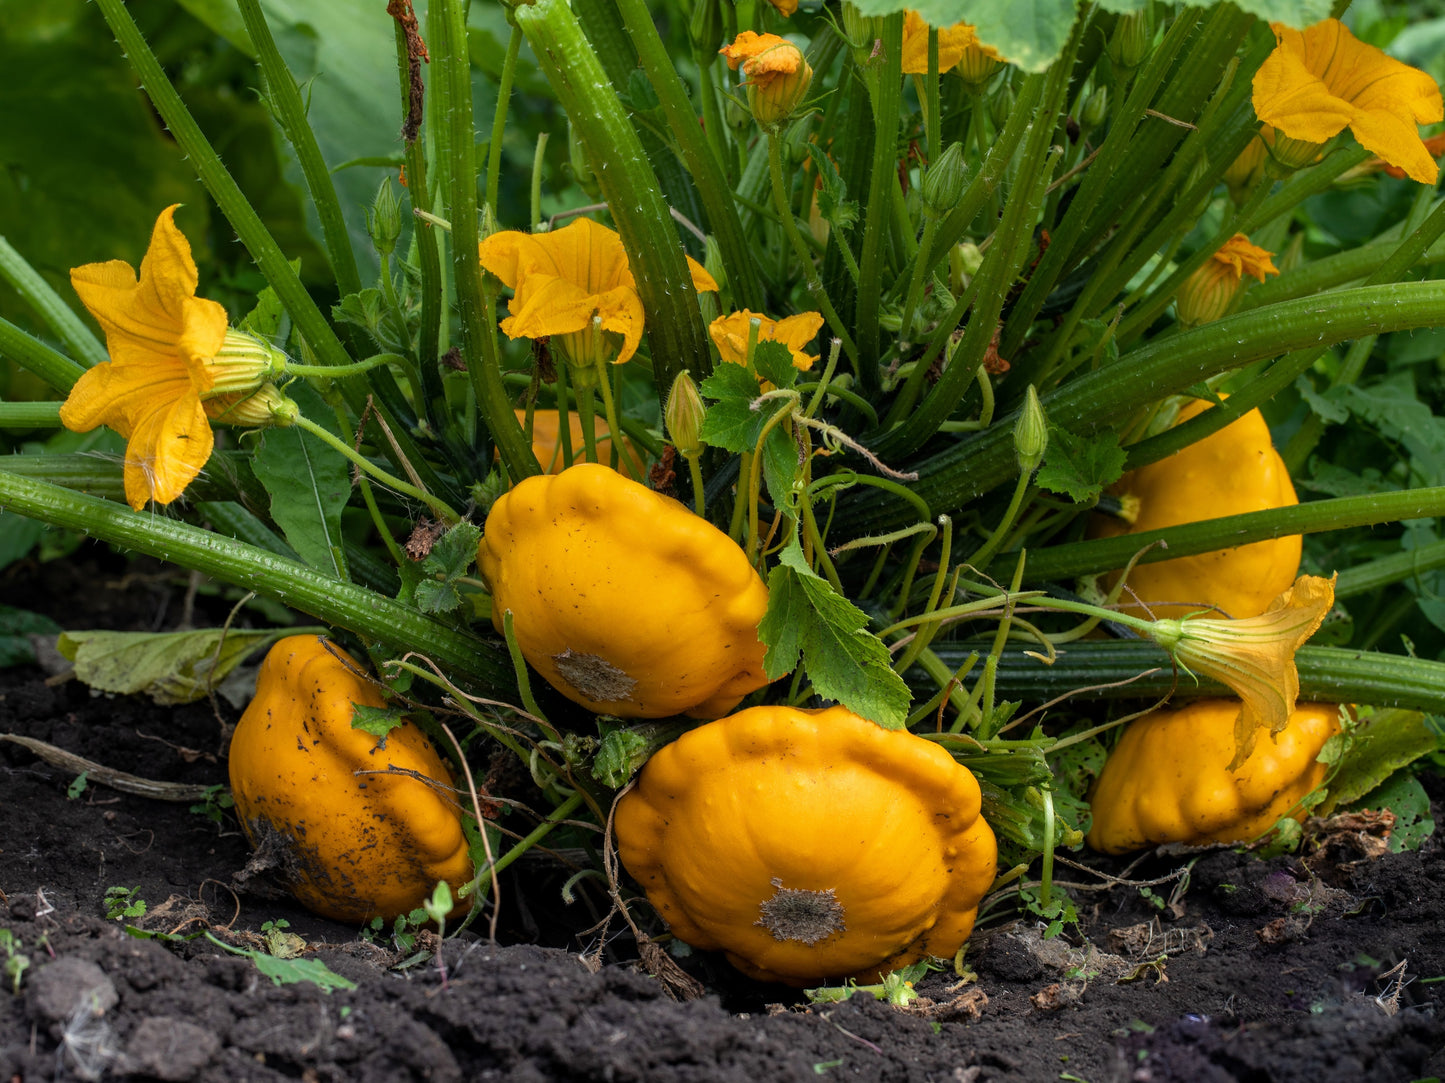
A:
x: 774, y: 363
x: 16, y: 628
x: 781, y: 467
x: 730, y: 382
x: 1382, y: 743
x: 622, y: 753
x: 377, y: 721
x: 832, y: 206
x: 450, y: 559
x: 268, y: 317
x: 309, y: 484
x: 1393, y: 406
x: 289, y: 971
x: 170, y: 667
x: 1406, y: 798
x: 1081, y: 466
x: 1029, y: 33
x: 844, y: 661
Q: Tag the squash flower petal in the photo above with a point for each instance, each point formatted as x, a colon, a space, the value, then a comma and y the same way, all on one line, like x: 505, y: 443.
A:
x: 161, y: 338
x: 1254, y: 656
x: 561, y: 280
x: 1323, y: 79
x: 730, y: 335
x: 953, y: 42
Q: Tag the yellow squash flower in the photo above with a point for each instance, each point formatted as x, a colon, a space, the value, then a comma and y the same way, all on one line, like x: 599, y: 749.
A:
x: 785, y: 8
x: 775, y: 72
x: 563, y: 280
x: 1254, y: 656
x: 1321, y: 80
x: 1211, y: 291
x: 953, y: 42
x: 173, y: 366
x: 730, y: 335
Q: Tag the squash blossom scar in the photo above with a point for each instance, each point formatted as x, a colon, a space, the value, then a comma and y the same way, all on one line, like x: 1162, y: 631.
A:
x: 799, y: 914
x: 594, y: 677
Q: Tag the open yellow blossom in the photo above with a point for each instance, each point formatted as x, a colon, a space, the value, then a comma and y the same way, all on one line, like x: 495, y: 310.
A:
x: 1254, y: 656
x: 173, y: 365
x: 1212, y: 291
x: 953, y: 41
x: 785, y: 8
x: 563, y: 280
x: 730, y: 335
x: 1323, y: 79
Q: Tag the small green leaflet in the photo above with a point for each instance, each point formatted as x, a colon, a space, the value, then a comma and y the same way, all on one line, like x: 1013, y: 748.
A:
x: 1081, y: 466
x: 377, y: 721
x: 836, y: 211
x: 774, y: 362
x: 448, y: 561
x: 268, y: 318
x: 844, y: 660
x: 289, y: 971
x: 731, y: 422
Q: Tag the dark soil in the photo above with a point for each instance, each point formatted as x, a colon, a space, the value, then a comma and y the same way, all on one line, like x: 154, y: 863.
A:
x: 1324, y: 966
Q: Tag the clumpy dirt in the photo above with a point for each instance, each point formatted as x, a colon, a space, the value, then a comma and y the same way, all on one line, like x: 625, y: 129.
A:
x: 1327, y: 965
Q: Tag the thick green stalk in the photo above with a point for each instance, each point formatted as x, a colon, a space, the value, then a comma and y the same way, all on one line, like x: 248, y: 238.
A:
x: 1102, y: 554
x: 290, y: 113
x: 29, y: 415
x: 1326, y: 674
x: 372, y: 616
x: 674, y: 322
x: 702, y: 164
x: 452, y: 90
x: 1094, y: 400
x: 46, y: 303
x: 57, y: 370
x: 884, y: 79
x: 499, y: 118
x: 1363, y: 578
x: 1006, y: 254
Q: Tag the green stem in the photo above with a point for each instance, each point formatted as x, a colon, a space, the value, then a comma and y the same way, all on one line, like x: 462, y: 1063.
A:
x: 46, y: 303
x: 57, y: 370
x: 290, y: 113
x: 694, y: 468
x: 992, y: 543
x: 790, y: 229
x: 674, y: 322
x: 452, y: 90
x: 29, y: 415
x: 1103, y: 554
x: 1410, y: 564
x: 499, y: 118
x: 344, y: 605
x: 339, y: 372
x: 536, y: 835
x: 391, y: 481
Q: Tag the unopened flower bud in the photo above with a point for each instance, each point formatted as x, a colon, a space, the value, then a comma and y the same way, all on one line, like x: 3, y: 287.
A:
x: 265, y: 407
x: 1095, y: 110
x: 683, y: 414
x: 863, y: 33
x: 1132, y: 39
x: 706, y: 26
x: 1002, y: 104
x: 1031, y: 433
x: 383, y: 220
x: 944, y: 182
x: 964, y: 260
x: 243, y: 363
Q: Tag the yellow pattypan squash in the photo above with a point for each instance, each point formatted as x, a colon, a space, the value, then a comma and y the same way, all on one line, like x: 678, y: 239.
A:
x: 1234, y: 471
x: 809, y: 844
x: 1167, y: 780
x: 547, y: 443
x: 346, y: 817
x: 622, y: 599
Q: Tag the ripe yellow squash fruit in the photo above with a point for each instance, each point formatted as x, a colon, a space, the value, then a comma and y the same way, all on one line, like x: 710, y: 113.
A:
x: 1167, y: 780
x: 348, y: 820
x: 809, y: 845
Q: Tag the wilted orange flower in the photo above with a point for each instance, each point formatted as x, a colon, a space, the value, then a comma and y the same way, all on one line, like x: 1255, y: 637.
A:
x: 564, y: 279
x: 1321, y: 80
x: 1211, y: 291
x: 776, y: 74
x: 952, y: 42
x: 785, y: 8
x: 1254, y: 656
x: 730, y: 334
x: 173, y: 365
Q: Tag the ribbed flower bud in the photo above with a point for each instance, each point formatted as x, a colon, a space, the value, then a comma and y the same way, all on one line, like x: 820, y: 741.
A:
x: 383, y: 220
x: 1095, y: 110
x: 776, y: 75
x: 265, y: 407
x: 706, y: 26
x: 683, y: 414
x: 863, y: 32
x: 944, y: 182
x: 1031, y: 433
x: 243, y: 364
x: 1213, y: 290
x: 1132, y: 39
x: 964, y: 260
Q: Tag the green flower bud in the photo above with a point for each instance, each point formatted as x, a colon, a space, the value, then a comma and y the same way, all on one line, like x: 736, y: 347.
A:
x: 863, y: 33
x: 964, y: 260
x: 383, y: 220
x: 706, y: 26
x: 1002, y: 104
x: 1095, y: 110
x: 265, y: 407
x: 944, y: 182
x: 683, y: 414
x: 1132, y: 39
x: 1031, y: 433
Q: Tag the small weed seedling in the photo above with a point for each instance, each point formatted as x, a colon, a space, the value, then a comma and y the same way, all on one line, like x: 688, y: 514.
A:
x: 16, y: 961
x: 124, y: 902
